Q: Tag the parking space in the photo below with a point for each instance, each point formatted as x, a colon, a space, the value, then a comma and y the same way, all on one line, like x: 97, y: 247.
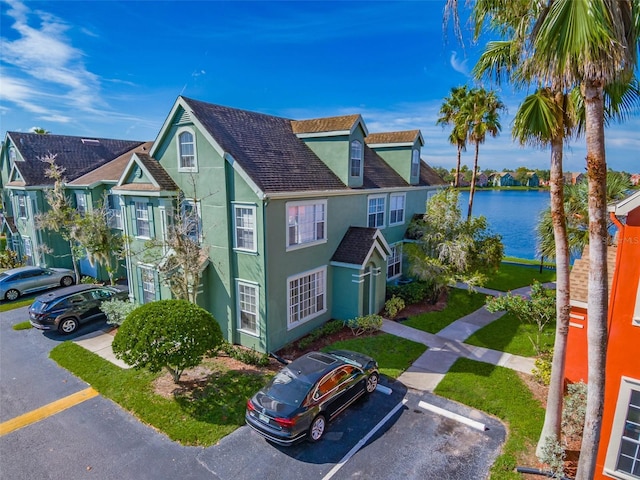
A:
x: 382, y: 436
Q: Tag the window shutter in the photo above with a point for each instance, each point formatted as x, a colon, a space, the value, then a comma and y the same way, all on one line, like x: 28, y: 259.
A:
x: 133, y: 216
x: 152, y: 230
x: 140, y: 298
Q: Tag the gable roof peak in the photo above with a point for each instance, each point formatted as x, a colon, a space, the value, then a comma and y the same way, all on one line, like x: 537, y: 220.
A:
x: 404, y: 137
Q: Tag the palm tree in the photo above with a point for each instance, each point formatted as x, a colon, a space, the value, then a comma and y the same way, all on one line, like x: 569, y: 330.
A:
x: 449, y: 111
x: 480, y: 116
x: 40, y: 131
x: 591, y: 43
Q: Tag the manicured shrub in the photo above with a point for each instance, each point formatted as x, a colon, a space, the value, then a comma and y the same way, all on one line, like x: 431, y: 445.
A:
x: 117, y: 310
x: 171, y: 334
x: 542, y: 368
x: 574, y: 409
x: 9, y: 259
x: 367, y: 324
x: 393, y: 306
x: 415, y: 292
x: 245, y: 355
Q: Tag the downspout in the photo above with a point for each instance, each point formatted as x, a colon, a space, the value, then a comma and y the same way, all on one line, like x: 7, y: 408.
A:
x: 614, y: 283
x: 265, y: 202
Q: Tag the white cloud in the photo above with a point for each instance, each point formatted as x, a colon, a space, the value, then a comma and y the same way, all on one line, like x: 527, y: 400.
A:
x: 459, y: 65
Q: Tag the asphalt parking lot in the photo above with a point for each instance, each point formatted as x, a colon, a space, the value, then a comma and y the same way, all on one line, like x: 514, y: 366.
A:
x: 384, y: 436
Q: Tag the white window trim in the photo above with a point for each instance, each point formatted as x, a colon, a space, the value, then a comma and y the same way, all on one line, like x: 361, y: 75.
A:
x: 195, y: 150
x: 622, y: 406
x: 26, y: 209
x: 352, y: 157
x: 636, y: 311
x: 256, y: 288
x: 153, y: 271
x: 135, y: 218
x: 81, y: 203
x: 254, y: 211
x: 195, y: 204
x: 302, y: 321
x: 415, y: 154
x: 320, y: 241
x: 395, y: 247
x: 384, y: 210
x: 115, y: 218
x: 404, y: 207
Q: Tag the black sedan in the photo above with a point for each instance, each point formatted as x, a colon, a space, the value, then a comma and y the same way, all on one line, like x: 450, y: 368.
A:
x: 65, y: 309
x: 310, y: 392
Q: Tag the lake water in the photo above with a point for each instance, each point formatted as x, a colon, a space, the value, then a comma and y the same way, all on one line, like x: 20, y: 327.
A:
x: 513, y: 214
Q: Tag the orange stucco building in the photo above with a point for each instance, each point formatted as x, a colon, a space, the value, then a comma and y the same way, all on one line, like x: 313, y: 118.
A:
x: 619, y: 452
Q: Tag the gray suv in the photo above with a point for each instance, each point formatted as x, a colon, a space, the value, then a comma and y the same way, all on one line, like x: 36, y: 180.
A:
x: 66, y: 309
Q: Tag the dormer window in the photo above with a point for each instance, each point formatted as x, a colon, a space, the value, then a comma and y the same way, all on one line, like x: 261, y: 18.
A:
x: 356, y: 159
x: 415, y: 163
x: 187, y: 151
x: 12, y: 156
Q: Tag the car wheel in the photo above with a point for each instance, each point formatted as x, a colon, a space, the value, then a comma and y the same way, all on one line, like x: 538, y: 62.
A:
x: 12, y: 294
x: 66, y: 281
x: 316, y: 430
x: 372, y: 382
x: 68, y: 325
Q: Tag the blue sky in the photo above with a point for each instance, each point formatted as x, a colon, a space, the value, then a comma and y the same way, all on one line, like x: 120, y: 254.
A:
x: 113, y: 69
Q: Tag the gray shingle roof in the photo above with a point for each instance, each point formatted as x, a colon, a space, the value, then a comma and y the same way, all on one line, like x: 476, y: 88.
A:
x: 266, y: 148
x: 355, y: 245
x: 74, y: 155
x: 156, y: 170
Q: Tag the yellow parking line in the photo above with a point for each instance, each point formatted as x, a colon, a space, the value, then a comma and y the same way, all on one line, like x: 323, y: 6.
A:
x: 46, y: 411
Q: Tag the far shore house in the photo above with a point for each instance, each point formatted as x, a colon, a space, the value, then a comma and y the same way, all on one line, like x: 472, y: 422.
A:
x: 619, y: 452
x: 302, y: 221
x: 24, y: 181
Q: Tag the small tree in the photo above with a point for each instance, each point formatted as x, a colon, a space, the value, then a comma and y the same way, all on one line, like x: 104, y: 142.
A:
x: 61, y: 216
x: 171, y: 334
x: 540, y: 309
x: 449, y: 249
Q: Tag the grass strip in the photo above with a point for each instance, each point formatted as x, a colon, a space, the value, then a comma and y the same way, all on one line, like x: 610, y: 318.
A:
x: 459, y: 304
x: 393, y: 354
x: 202, y: 418
x: 508, y: 334
x: 500, y: 392
x: 6, y: 306
x: 22, y: 326
x: 509, y: 277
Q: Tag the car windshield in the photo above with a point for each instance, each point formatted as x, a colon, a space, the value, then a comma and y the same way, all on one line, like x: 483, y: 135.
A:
x: 286, y: 388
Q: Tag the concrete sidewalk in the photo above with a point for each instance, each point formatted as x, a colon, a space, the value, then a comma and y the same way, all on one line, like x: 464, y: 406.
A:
x: 448, y: 345
x: 99, y: 342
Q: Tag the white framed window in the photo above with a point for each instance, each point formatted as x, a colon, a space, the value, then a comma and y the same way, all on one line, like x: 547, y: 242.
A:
x: 81, y: 203
x: 28, y: 251
x: 142, y: 220
x: 396, y: 208
x: 376, y: 211
x: 191, y: 219
x: 244, y: 218
x: 247, y: 295
x: 306, y: 223
x: 355, y: 169
x: 21, y: 200
x: 12, y: 156
x: 187, y: 151
x: 394, y: 262
x: 415, y: 163
x: 307, y: 298
x: 114, y: 211
x: 623, y: 452
x: 147, y: 284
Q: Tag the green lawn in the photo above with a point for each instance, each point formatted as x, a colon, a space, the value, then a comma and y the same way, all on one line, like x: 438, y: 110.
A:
x: 393, y: 354
x: 210, y: 413
x: 498, y: 391
x: 22, y: 326
x: 510, y: 277
x: 507, y: 334
x: 459, y: 304
x: 23, y: 302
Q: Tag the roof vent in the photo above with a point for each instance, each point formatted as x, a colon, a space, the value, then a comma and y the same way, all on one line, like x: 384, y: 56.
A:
x: 90, y: 141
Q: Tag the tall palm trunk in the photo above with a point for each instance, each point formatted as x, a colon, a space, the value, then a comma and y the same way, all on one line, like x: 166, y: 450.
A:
x: 553, y: 414
x: 456, y: 181
x: 472, y: 191
x: 598, y: 295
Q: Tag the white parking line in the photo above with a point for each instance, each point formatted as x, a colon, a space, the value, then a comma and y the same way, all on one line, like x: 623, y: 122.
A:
x: 453, y: 416
x: 364, y: 440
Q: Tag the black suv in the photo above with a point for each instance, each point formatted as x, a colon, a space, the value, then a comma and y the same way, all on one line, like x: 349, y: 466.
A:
x: 65, y: 309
